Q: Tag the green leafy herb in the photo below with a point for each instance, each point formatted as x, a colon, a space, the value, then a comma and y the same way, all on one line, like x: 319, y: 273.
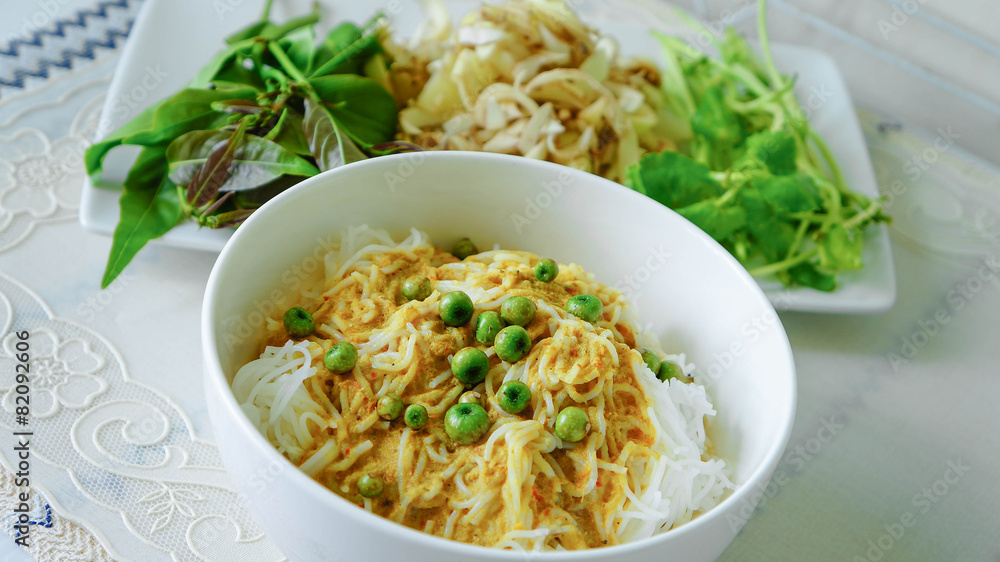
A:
x: 328, y: 145
x: 753, y: 174
x: 346, y: 49
x: 150, y: 206
x: 840, y: 248
x: 720, y: 222
x: 775, y: 149
x: 252, y: 161
x: 808, y: 275
x: 718, y: 131
x: 788, y: 195
x: 357, y: 105
x: 270, y: 109
x: 673, y: 179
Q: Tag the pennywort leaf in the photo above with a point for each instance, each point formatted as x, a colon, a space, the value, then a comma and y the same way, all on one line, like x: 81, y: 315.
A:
x: 718, y: 222
x: 776, y: 150
x: 808, y: 275
x: 754, y: 175
x: 773, y: 237
x: 791, y: 194
x: 840, y: 248
x: 718, y: 129
x: 673, y: 179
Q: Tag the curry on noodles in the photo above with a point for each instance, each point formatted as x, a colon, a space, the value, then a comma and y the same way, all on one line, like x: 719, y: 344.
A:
x: 411, y: 401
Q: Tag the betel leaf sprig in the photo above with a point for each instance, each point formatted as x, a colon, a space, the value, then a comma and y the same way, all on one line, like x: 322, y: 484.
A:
x: 272, y: 108
x: 751, y: 172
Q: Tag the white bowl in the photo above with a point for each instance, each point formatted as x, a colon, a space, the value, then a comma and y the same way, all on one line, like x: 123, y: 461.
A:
x: 697, y: 298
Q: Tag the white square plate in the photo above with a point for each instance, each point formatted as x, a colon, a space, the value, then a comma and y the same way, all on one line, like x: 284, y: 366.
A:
x: 172, y: 39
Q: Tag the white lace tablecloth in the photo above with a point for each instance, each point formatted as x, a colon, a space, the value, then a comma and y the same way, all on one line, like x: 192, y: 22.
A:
x: 895, y: 453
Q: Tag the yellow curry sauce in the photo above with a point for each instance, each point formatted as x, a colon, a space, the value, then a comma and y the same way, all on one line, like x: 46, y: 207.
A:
x: 520, y: 480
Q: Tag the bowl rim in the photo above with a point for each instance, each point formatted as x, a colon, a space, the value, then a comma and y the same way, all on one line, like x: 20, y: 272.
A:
x: 216, y: 377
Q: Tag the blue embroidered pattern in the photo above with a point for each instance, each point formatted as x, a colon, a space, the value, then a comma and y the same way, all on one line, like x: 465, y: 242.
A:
x: 40, y: 515
x: 44, y: 522
x: 109, y: 38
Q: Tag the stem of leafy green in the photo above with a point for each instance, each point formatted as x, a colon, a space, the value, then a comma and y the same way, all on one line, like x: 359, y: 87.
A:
x: 746, y: 77
x: 783, y: 265
x: 674, y: 84
x: 831, y: 162
x: 218, y: 203
x: 289, y: 67
x: 766, y: 102
x: 871, y: 211
x: 765, y: 45
x: 800, y: 234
